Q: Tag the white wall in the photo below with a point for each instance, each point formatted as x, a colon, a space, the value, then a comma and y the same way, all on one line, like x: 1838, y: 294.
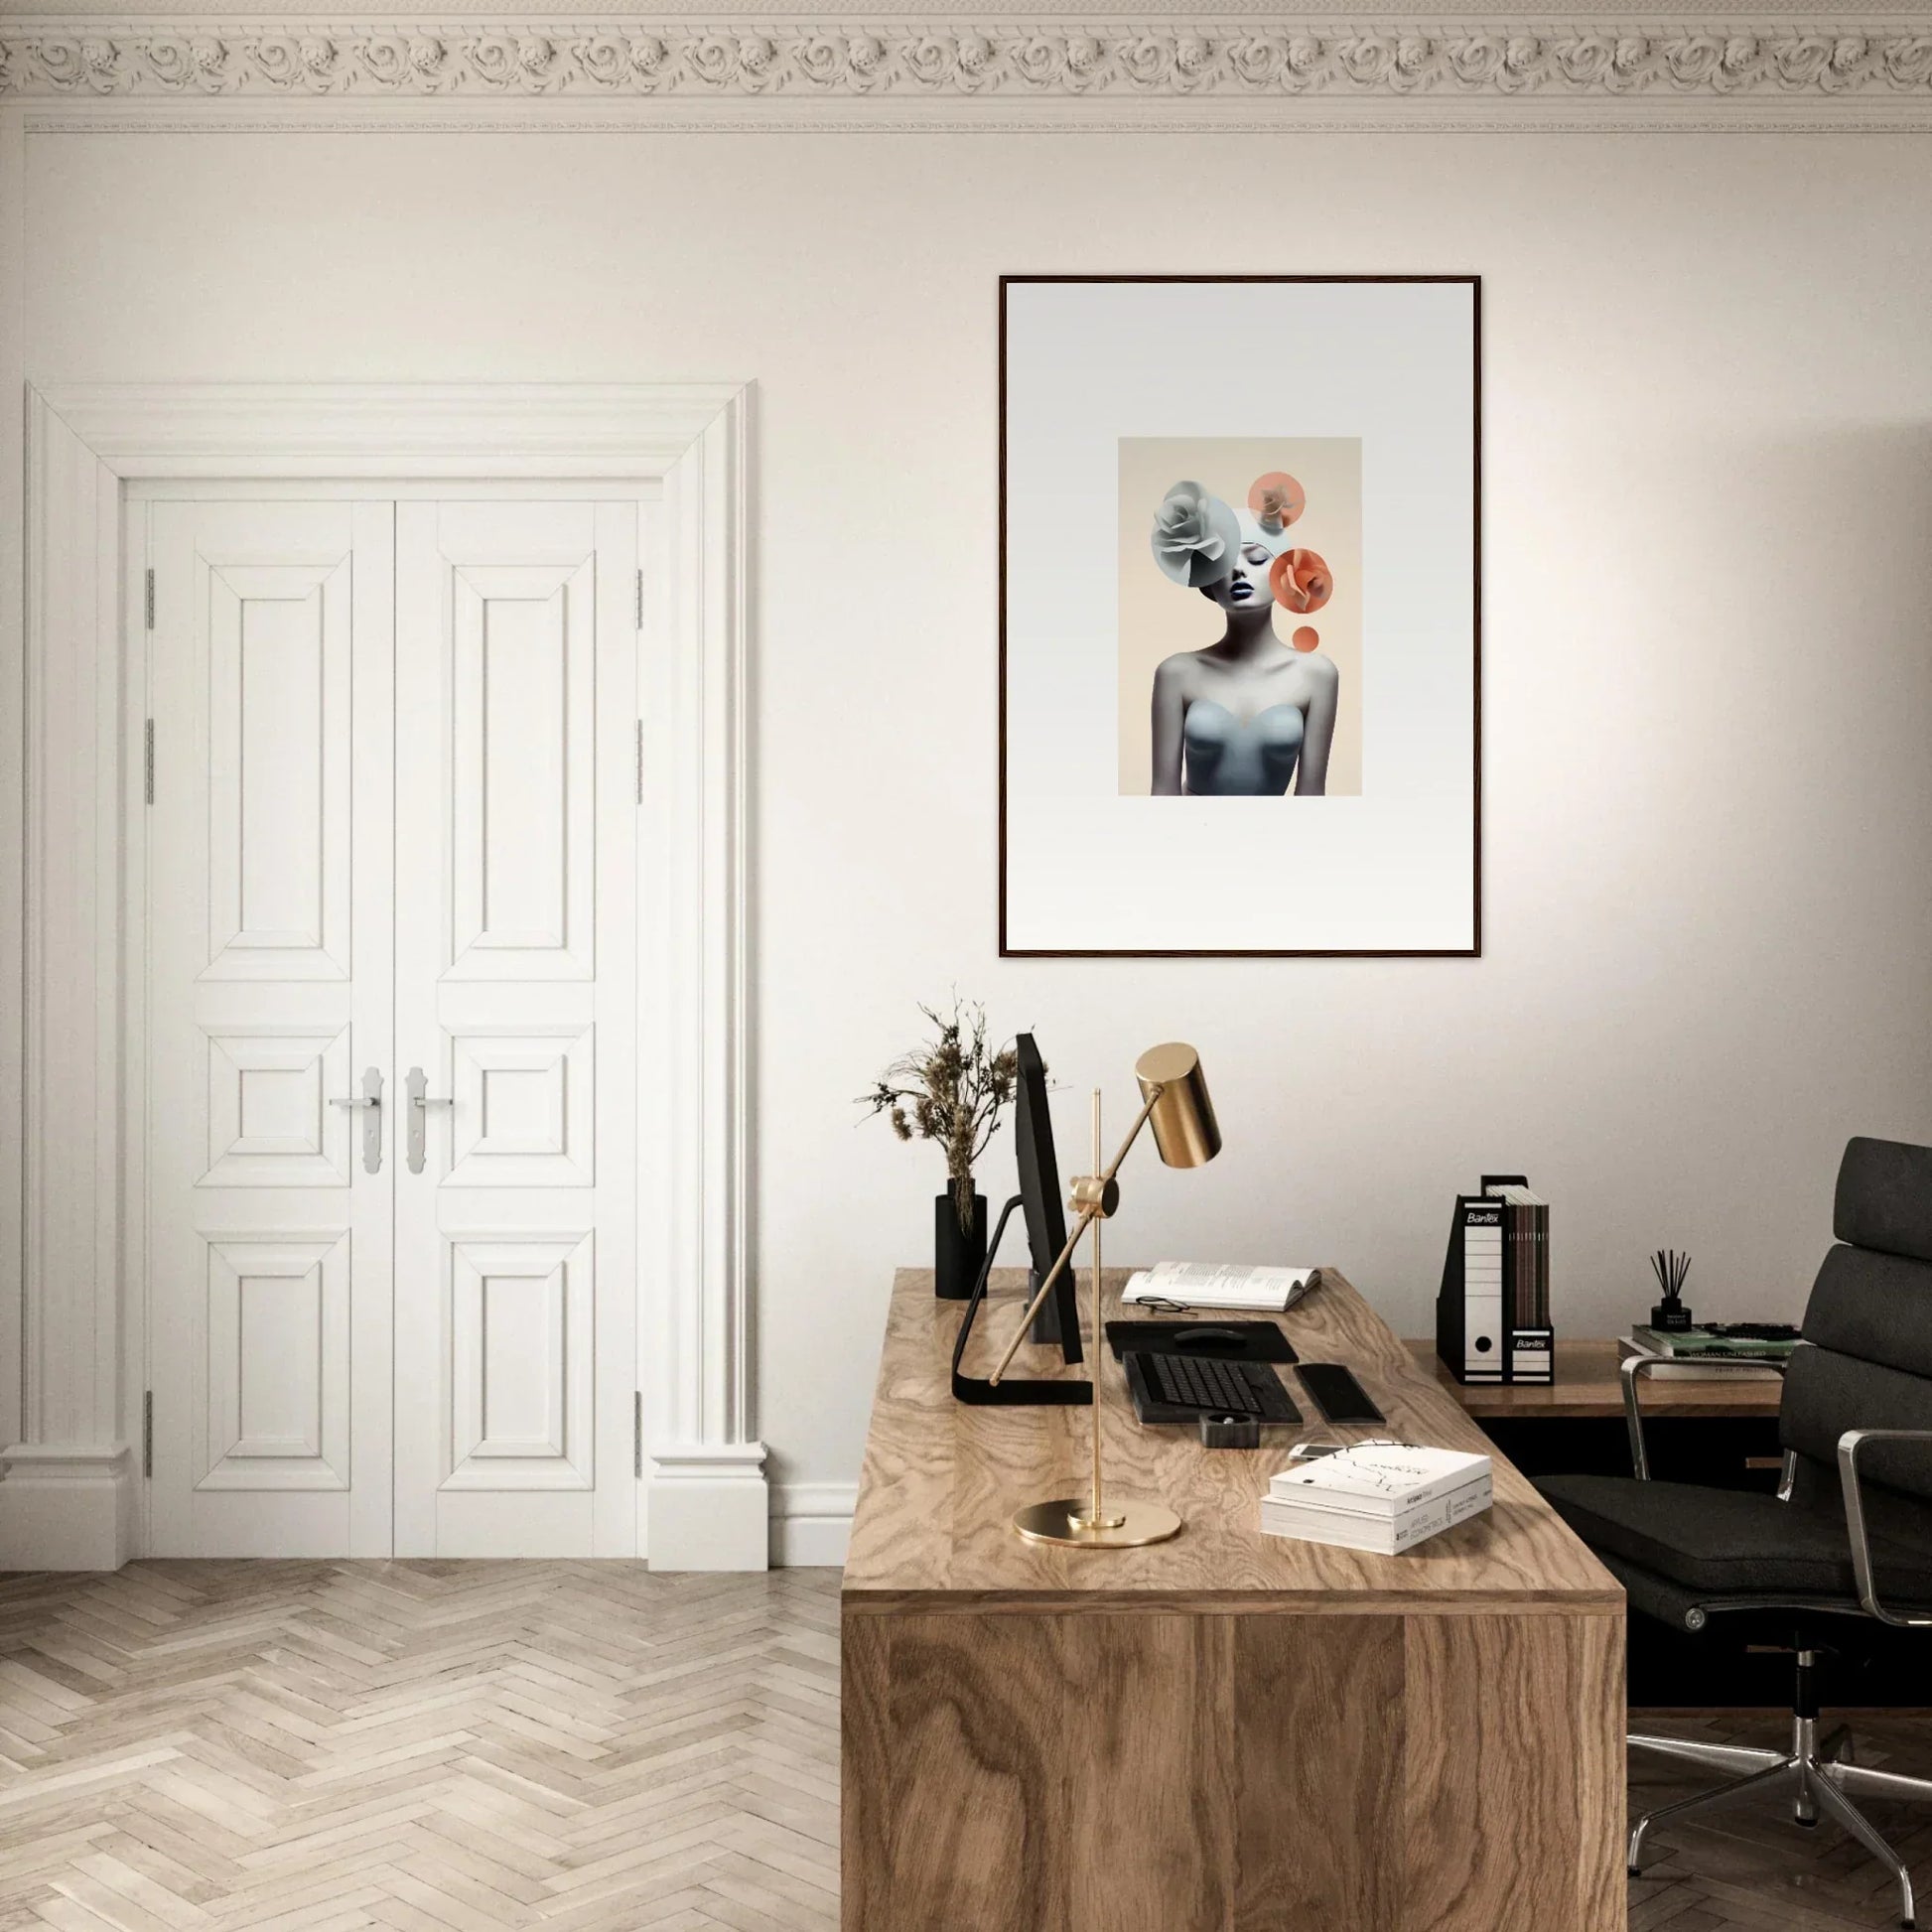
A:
x: 1708, y: 861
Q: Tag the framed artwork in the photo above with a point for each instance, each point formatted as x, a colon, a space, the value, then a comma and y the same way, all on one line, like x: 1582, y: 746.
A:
x: 1240, y: 606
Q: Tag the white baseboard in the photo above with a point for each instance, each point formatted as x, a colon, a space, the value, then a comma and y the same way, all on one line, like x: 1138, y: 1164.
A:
x: 811, y: 1523
x: 66, y: 1506
x: 708, y: 1507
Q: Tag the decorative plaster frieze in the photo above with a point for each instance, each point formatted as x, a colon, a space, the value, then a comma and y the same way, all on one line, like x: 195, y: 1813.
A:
x: 1561, y: 64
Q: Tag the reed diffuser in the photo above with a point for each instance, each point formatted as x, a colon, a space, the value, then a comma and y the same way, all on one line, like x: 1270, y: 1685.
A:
x: 1670, y: 1314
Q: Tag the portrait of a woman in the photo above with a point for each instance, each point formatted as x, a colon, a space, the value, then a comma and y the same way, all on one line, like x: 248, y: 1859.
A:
x: 1247, y: 715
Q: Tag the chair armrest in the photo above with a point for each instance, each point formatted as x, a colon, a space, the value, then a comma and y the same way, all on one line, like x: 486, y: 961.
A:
x: 1848, y: 1445
x: 1633, y: 1369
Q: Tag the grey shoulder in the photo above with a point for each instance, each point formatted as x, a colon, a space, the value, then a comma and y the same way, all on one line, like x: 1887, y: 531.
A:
x: 1172, y: 670
x: 1324, y: 667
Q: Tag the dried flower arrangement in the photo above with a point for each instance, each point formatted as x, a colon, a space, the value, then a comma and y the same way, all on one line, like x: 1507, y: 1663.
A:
x: 952, y: 1091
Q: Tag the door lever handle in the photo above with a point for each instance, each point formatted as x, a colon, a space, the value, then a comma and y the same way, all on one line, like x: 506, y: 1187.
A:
x: 371, y: 1100
x: 420, y: 1102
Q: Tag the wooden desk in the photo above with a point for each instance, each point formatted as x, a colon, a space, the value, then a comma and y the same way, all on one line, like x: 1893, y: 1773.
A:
x: 1227, y: 1733
x: 1587, y: 1386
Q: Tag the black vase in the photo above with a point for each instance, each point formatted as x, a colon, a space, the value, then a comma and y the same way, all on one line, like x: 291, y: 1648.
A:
x: 958, y: 1254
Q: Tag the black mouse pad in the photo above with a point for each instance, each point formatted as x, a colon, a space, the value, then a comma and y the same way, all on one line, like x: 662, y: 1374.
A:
x: 1227, y: 1341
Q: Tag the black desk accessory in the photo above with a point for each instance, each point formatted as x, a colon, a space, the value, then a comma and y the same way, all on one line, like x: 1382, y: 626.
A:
x: 1228, y: 1341
x: 1670, y: 1314
x: 1230, y: 1431
x: 1009, y: 1392
x: 1336, y: 1393
x: 1180, y: 1388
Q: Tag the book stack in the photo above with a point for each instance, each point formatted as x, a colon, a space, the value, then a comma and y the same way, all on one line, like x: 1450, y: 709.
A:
x: 1381, y: 1496
x: 1492, y: 1316
x: 1689, y: 1349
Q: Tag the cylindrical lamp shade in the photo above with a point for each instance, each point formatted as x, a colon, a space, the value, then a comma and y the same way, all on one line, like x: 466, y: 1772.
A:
x: 1184, y: 1128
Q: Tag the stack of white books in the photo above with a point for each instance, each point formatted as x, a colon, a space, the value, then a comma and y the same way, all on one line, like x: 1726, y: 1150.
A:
x: 1381, y: 1496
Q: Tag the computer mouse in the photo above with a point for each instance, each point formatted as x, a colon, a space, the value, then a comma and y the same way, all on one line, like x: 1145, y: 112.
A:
x: 1208, y: 1338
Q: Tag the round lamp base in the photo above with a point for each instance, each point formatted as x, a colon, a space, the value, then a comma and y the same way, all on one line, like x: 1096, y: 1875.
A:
x: 1063, y: 1521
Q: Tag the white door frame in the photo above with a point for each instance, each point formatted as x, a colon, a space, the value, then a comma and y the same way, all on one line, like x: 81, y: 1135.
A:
x: 68, y: 1498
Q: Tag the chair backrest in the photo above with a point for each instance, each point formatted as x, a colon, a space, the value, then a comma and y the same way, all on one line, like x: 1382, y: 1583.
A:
x: 1869, y: 1326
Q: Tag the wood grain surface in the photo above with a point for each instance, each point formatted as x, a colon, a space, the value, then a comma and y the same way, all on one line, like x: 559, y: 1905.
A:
x: 1587, y: 1386
x: 1513, y: 1778
x: 942, y: 1479
x: 1141, y: 1771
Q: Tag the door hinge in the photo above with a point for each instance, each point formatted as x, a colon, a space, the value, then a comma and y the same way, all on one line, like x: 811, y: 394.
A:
x: 640, y: 600
x: 146, y: 763
x: 637, y: 1432
x: 147, y: 1434
x: 150, y: 599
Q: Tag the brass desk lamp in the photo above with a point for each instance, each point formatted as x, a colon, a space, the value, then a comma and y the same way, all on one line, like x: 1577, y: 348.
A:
x: 1175, y: 1102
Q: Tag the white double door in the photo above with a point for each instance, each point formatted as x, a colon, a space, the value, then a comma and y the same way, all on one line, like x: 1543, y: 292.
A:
x: 390, y: 859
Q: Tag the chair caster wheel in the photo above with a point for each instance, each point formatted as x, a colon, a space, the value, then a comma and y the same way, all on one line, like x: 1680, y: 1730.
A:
x: 1633, y: 1871
x: 1810, y: 1824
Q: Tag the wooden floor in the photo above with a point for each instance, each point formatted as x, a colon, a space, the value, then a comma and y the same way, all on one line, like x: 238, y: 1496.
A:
x: 315, y: 1747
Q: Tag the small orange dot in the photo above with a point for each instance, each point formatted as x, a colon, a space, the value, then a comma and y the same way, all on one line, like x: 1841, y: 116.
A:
x: 1306, y: 638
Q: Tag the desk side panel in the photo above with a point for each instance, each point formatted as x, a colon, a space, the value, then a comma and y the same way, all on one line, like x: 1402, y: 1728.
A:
x: 1514, y: 1782
x: 961, y: 1777
x: 1317, y: 1741
x: 1150, y: 1772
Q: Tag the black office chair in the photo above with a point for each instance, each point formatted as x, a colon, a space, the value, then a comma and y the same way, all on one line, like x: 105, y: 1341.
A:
x: 1849, y: 1536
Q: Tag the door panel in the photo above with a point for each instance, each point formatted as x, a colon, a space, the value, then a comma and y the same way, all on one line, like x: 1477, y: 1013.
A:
x: 269, y: 991
x: 523, y: 696
x: 515, y: 1245
x: 278, y: 1325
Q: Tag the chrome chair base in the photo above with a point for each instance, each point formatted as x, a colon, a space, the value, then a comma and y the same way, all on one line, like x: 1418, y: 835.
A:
x: 1817, y: 1776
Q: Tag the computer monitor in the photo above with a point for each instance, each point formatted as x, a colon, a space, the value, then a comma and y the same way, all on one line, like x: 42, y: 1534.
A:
x: 1039, y: 1201
x: 1039, y: 1195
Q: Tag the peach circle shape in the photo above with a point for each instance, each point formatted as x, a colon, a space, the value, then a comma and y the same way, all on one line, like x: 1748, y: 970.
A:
x: 1277, y: 497
x: 1300, y: 581
x: 1306, y: 638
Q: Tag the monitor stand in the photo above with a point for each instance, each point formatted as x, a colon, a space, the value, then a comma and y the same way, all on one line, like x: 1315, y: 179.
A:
x: 1009, y: 1391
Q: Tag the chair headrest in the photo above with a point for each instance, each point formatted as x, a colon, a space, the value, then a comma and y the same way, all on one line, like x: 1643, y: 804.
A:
x: 1885, y: 1198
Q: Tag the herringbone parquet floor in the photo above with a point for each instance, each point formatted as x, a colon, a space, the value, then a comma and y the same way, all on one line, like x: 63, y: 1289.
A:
x: 316, y: 1746
x: 469, y: 1747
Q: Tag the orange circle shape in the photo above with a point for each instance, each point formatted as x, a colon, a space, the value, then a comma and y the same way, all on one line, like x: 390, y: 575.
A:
x: 1306, y: 638
x: 1300, y: 581
x: 1277, y: 497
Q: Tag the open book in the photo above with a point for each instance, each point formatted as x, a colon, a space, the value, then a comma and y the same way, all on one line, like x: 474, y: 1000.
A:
x: 1220, y: 1284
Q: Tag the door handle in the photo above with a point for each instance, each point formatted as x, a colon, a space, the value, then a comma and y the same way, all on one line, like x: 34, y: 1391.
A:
x: 420, y: 1102
x: 371, y: 1100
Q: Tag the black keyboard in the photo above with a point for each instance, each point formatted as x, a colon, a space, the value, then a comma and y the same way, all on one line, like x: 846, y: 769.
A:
x: 1189, y: 1386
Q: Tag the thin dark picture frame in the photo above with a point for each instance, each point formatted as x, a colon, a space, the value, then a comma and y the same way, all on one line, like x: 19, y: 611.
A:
x: 1472, y: 952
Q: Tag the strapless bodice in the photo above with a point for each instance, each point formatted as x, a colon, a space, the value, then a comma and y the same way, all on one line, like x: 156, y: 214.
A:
x: 1232, y: 760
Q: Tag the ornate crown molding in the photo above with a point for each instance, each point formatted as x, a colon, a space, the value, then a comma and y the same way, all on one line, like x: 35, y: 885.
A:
x: 1566, y: 66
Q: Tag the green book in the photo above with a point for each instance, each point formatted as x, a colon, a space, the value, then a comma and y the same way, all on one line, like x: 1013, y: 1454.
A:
x: 1700, y: 1341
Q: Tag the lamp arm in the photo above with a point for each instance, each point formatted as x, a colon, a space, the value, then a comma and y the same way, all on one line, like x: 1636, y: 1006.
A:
x: 1133, y: 1134
x: 1087, y: 1217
